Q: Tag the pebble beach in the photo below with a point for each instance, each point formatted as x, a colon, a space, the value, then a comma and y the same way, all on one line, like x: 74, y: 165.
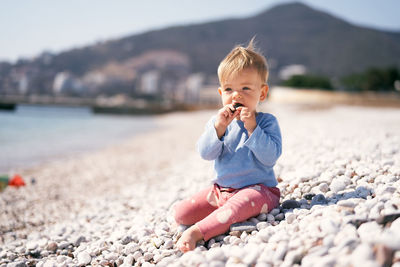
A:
x: 339, y: 177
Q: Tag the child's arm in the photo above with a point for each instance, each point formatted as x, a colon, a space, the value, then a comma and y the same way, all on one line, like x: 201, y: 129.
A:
x: 266, y: 142
x: 209, y: 145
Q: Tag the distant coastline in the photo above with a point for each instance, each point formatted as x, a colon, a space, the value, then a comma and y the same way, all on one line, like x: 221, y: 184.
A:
x: 33, y: 135
x: 102, y: 106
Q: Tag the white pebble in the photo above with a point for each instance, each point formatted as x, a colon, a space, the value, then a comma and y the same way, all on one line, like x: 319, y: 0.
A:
x: 215, y: 254
x: 84, y: 258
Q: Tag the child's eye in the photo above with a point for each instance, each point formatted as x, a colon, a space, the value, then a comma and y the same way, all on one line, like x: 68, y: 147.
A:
x: 245, y: 88
x: 228, y: 89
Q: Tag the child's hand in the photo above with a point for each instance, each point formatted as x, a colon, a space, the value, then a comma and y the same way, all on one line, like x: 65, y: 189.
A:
x: 224, y: 117
x: 249, y: 119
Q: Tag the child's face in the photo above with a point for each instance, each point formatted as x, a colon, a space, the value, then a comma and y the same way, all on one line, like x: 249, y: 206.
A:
x: 245, y: 87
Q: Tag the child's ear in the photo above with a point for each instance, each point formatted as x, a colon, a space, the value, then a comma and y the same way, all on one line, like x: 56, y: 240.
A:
x: 264, y: 92
x: 220, y: 91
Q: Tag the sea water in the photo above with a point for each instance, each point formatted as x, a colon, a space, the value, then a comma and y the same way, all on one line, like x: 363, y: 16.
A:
x: 31, y: 135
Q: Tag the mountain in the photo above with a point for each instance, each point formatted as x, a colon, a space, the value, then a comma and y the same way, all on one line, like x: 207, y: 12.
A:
x: 287, y: 34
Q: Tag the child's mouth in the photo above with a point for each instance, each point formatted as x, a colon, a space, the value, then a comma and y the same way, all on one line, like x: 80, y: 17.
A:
x: 236, y: 105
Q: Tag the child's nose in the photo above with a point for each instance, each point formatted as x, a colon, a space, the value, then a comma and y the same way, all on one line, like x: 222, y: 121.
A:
x: 236, y: 95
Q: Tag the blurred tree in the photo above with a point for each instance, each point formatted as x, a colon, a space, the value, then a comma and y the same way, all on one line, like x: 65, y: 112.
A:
x: 308, y: 81
x: 373, y: 79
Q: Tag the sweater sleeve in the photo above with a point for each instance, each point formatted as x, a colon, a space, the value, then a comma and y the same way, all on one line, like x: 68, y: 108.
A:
x: 209, y: 145
x: 266, y: 142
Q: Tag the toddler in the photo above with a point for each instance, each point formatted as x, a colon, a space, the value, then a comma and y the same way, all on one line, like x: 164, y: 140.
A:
x: 244, y: 145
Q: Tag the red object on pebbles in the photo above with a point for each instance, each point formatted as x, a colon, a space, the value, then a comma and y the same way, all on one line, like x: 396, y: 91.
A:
x: 16, y: 181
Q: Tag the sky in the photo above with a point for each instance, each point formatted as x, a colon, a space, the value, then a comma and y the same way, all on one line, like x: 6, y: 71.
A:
x: 30, y: 27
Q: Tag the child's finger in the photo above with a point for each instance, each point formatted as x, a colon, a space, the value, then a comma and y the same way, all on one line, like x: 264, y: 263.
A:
x: 237, y: 112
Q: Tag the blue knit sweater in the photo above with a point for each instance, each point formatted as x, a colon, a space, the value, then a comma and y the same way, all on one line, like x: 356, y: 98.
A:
x: 240, y: 160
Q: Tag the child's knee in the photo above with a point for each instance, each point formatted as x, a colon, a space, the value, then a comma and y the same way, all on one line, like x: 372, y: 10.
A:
x: 182, y: 213
x: 179, y: 213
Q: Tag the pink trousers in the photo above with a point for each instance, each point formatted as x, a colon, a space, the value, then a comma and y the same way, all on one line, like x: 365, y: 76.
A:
x: 214, y: 209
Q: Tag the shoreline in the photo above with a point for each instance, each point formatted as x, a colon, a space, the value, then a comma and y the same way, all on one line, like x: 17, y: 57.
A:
x: 37, y: 135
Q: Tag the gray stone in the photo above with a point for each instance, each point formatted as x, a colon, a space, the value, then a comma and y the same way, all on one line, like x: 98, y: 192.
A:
x: 126, y: 240
x: 63, y: 244
x: 262, y: 217
x: 270, y: 218
x: 280, y: 217
x: 78, y: 240
x: 243, y: 226
x: 363, y: 192
x: 275, y: 212
x: 309, y: 196
x: 319, y: 200
x: 290, y: 204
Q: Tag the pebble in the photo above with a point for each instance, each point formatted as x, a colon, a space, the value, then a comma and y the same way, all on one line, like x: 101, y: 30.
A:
x: 337, y: 185
x: 270, y: 218
x: 262, y: 217
x: 280, y: 251
x: 346, y: 203
x: 323, y: 187
x: 243, y: 226
x: 363, y: 192
x: 63, y: 244
x: 216, y: 254
x: 309, y: 196
x: 31, y: 245
x: 319, y: 200
x: 274, y: 212
x: 262, y: 225
x: 290, y: 204
x: 290, y: 217
x: 384, y: 219
x: 84, y: 258
x: 126, y: 240
x: 148, y: 256
x: 78, y: 240
x: 329, y: 226
x: 168, y: 244
x: 280, y: 217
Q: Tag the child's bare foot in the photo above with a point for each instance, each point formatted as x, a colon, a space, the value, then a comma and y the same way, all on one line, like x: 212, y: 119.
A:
x: 189, y: 238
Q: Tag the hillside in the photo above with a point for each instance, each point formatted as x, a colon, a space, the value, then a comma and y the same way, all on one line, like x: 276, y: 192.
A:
x: 287, y: 34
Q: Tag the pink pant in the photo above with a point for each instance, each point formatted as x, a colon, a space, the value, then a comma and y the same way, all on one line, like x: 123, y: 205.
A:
x: 214, y: 209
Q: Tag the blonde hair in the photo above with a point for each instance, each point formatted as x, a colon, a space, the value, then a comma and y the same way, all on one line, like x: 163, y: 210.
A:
x: 241, y: 58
